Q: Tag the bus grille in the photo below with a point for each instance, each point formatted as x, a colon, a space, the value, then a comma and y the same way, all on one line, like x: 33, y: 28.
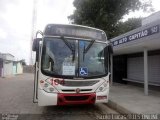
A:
x: 73, y: 90
x: 72, y: 99
x: 79, y: 83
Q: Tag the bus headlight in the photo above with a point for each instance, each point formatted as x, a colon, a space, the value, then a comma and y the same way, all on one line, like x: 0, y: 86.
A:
x: 102, y: 87
x: 48, y: 87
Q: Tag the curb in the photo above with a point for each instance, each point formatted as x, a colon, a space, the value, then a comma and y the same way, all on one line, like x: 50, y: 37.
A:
x: 118, y: 107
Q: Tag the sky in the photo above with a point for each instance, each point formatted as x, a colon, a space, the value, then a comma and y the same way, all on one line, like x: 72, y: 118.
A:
x: 16, y: 21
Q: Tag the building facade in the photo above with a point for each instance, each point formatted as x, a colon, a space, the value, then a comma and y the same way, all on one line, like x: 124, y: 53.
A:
x: 17, y: 67
x: 8, y: 66
x: 137, y: 54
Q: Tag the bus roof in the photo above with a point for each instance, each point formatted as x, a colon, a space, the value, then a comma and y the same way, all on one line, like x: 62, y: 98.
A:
x: 72, y: 30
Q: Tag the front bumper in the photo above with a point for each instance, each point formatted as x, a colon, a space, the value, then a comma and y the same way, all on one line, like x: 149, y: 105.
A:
x: 48, y: 99
x: 81, y: 98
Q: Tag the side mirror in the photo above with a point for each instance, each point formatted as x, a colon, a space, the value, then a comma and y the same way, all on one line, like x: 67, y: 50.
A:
x: 35, y: 45
x: 110, y: 49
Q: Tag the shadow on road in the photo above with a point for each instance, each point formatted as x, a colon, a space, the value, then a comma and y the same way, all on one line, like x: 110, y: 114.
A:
x: 71, y: 109
x: 71, y: 112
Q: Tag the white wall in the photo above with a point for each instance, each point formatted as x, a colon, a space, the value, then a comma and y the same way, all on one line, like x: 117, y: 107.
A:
x: 19, y: 68
x: 7, y: 68
x: 152, y: 18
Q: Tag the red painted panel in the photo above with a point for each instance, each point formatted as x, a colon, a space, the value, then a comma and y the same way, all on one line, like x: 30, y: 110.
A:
x: 74, y: 98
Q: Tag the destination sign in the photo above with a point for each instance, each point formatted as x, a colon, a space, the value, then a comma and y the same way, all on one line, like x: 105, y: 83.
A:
x: 137, y: 35
x: 75, y: 31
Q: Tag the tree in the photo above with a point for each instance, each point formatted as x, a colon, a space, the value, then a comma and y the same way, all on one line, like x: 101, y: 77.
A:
x: 23, y: 62
x: 130, y: 24
x: 104, y: 14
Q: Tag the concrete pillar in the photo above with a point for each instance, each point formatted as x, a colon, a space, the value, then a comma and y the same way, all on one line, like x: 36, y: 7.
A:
x: 145, y: 71
x: 111, y: 69
x: 3, y: 70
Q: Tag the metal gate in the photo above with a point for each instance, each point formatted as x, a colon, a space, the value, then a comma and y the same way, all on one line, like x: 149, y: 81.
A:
x: 135, y: 69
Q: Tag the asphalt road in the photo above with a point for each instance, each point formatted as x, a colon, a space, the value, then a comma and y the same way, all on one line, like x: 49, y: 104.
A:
x: 16, y: 94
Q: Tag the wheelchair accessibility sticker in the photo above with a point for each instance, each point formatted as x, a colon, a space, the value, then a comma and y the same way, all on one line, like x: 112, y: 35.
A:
x: 83, y: 71
x: 82, y: 44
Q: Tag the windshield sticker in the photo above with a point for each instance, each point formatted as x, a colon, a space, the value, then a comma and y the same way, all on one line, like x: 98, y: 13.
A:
x: 68, y: 69
x: 83, y: 71
x: 81, y: 44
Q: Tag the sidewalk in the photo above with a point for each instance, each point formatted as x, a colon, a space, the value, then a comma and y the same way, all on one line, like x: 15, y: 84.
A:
x: 131, y: 99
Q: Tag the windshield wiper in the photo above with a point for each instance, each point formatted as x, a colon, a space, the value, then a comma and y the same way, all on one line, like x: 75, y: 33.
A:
x: 85, y: 50
x: 70, y: 47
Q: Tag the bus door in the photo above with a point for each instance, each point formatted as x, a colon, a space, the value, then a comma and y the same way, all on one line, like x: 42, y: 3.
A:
x: 36, y: 48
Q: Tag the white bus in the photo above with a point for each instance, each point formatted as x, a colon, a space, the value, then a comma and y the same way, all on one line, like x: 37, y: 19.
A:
x: 72, y: 65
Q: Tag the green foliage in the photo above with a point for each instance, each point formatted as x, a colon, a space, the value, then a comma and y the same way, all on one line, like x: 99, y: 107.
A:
x: 130, y: 24
x: 23, y: 62
x: 104, y: 14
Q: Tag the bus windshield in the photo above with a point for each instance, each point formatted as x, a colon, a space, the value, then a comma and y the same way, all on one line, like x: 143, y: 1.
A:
x: 73, y: 58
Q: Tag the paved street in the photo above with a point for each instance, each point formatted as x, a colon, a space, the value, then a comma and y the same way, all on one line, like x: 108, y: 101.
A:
x: 16, y: 95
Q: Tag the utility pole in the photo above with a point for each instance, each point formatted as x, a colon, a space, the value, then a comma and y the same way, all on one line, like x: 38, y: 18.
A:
x: 34, y: 20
